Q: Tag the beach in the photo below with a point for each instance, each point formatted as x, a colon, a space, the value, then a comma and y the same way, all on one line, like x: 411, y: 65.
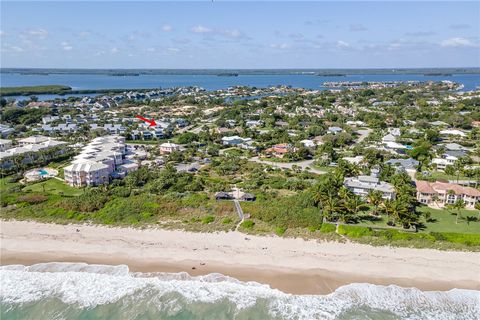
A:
x: 294, y: 266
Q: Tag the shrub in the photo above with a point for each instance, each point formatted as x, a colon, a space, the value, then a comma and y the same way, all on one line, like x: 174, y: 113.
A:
x: 328, y: 228
x: 32, y: 198
x: 462, y: 238
x: 280, y: 230
x: 247, y: 224
x: 208, y: 219
x: 227, y: 220
x: 355, y: 231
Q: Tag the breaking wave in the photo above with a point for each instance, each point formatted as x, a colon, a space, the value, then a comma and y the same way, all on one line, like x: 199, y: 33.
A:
x: 78, y: 290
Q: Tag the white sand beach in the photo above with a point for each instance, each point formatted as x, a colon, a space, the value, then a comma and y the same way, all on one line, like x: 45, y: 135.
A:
x: 291, y: 265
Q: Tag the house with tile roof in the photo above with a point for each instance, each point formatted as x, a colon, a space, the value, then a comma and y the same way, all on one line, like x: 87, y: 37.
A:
x: 440, y: 194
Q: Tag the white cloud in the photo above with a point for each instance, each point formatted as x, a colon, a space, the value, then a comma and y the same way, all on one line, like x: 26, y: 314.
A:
x: 167, y: 28
x: 114, y: 50
x: 200, y: 29
x: 151, y: 50
x: 66, y: 46
x: 342, y: 44
x: 2, y: 33
x: 234, y: 33
x: 457, y: 42
x: 279, y: 45
x: 173, y: 49
x: 11, y: 48
x: 38, y: 33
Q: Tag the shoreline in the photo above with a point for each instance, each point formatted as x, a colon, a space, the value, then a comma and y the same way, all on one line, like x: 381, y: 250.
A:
x: 293, y: 266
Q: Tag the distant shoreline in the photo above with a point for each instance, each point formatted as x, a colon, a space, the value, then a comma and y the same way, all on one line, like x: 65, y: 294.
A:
x: 290, y: 265
x: 293, y: 71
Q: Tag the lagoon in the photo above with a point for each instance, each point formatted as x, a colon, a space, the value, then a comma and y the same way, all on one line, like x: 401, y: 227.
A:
x: 213, y: 82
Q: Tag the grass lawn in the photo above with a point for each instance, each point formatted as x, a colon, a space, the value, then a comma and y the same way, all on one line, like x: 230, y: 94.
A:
x: 53, y: 186
x: 440, y: 221
x: 5, y: 184
x: 323, y: 168
x: 439, y: 175
x: 444, y: 221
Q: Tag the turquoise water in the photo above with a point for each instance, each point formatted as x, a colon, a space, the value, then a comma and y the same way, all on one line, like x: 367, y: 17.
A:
x: 42, y: 172
x: 80, y: 291
x: 212, y: 82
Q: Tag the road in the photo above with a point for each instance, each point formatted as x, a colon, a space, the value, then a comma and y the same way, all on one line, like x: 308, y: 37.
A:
x: 305, y: 165
x: 363, y: 134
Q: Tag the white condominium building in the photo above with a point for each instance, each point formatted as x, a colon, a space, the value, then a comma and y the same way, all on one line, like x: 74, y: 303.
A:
x: 101, y: 159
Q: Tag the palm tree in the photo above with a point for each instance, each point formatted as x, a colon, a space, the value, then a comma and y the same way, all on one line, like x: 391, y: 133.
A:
x: 352, y: 205
x: 459, y: 204
x: 374, y: 197
x: 395, y: 209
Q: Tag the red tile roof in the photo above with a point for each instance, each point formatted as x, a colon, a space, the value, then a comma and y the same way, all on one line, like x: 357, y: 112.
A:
x: 443, y: 187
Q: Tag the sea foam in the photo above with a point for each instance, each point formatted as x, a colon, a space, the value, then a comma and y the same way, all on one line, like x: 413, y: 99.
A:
x: 86, y: 286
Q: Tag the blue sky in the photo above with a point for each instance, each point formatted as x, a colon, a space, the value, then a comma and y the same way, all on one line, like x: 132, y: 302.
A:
x: 226, y: 34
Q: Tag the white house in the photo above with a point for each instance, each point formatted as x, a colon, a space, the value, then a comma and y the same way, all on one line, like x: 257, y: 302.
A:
x: 33, y: 140
x: 236, y: 141
x: 5, y: 144
x: 446, y: 160
x: 169, y: 147
x: 452, y: 132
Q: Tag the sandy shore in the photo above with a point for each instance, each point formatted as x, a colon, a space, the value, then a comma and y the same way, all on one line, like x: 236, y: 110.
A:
x: 291, y: 265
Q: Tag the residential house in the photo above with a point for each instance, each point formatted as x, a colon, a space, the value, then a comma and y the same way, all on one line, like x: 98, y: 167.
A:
x: 244, y: 143
x: 408, y: 165
x: 33, y: 140
x: 5, y: 130
x: 335, y: 130
x: 253, y: 123
x: 168, y: 147
x: 452, y: 132
x: 444, y: 161
x: 308, y: 143
x: 362, y: 185
x: 440, y: 194
x: 280, y: 150
x: 5, y: 144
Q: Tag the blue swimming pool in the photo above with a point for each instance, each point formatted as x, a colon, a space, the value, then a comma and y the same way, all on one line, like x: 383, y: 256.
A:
x: 42, y: 172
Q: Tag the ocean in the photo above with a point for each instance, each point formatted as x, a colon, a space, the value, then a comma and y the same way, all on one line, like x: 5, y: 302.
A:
x: 212, y: 82
x: 82, y: 291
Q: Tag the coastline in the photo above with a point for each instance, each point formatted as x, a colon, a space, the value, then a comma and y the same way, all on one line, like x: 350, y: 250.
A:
x: 294, y: 266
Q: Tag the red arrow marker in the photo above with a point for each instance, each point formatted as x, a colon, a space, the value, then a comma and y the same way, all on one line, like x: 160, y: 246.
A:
x: 151, y: 122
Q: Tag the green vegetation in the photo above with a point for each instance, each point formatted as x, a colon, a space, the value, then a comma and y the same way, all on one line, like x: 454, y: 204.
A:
x: 53, y: 186
x: 399, y: 238
x: 247, y: 224
x: 328, y: 228
x: 32, y: 90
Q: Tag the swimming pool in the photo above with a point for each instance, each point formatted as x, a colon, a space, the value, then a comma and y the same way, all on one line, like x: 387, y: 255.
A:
x: 42, y: 172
